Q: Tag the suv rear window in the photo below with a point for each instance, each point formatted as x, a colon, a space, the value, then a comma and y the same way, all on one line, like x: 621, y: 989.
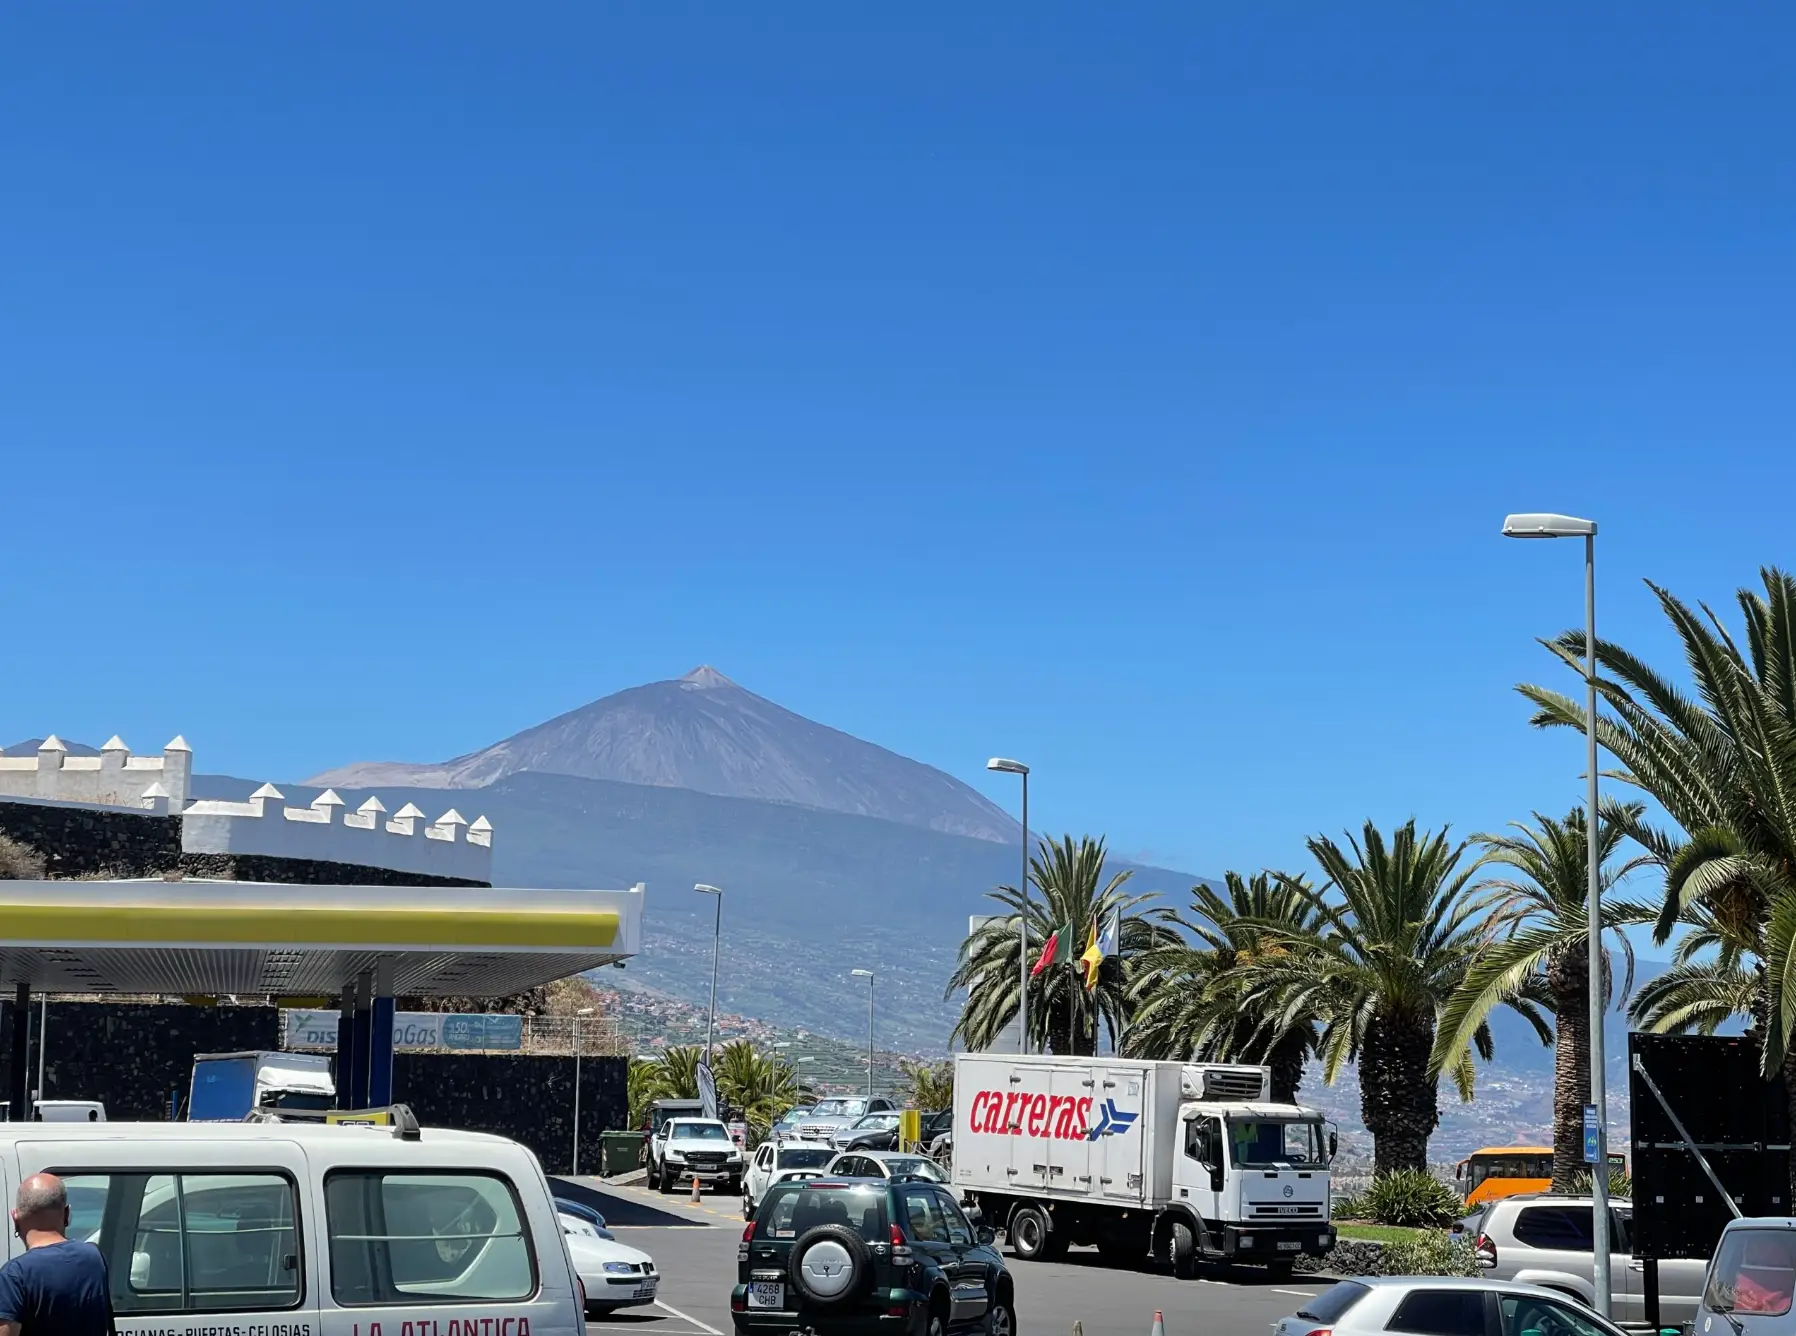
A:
x: 1565, y: 1228
x: 1332, y: 1304
x: 792, y: 1209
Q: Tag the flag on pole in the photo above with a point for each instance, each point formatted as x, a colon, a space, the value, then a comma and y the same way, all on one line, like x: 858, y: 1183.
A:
x: 1048, y: 948
x: 1102, y: 944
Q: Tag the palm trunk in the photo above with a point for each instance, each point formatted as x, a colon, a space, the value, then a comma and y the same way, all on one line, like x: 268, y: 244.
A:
x: 1286, y: 1060
x: 1568, y: 974
x: 1398, y: 1099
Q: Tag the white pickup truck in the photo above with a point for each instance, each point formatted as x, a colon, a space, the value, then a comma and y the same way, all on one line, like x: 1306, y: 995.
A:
x: 1169, y: 1159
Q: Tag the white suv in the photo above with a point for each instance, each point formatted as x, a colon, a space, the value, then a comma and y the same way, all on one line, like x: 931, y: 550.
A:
x: 776, y: 1162
x: 701, y: 1148
x: 1546, y: 1241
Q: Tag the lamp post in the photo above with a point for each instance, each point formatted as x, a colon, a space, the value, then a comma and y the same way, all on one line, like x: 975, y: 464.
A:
x: 1567, y: 526
x: 868, y: 976
x: 1004, y: 765
x: 584, y: 1011
x: 716, y: 941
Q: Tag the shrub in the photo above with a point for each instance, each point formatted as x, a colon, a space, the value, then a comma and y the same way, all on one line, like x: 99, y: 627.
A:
x: 1349, y: 1206
x: 1411, y: 1197
x: 1433, y: 1252
x: 19, y: 862
x: 1620, y: 1185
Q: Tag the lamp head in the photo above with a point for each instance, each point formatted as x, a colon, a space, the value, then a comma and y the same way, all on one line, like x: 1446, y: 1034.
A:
x: 862, y: 974
x: 703, y: 889
x: 1548, y: 526
x: 1007, y: 766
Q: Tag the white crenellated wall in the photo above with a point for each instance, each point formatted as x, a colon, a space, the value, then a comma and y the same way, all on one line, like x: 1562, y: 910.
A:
x: 114, y: 778
x: 407, y: 841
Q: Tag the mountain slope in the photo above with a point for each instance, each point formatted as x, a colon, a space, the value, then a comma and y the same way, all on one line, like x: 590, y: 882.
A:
x: 705, y: 733
x: 808, y: 894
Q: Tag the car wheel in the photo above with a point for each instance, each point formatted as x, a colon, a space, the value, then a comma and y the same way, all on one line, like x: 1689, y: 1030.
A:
x: 1029, y: 1233
x: 748, y: 1209
x: 1184, y: 1251
x: 1000, y: 1318
x: 938, y: 1325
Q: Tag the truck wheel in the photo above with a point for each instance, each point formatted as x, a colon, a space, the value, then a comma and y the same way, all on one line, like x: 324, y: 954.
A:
x: 1029, y: 1234
x: 1184, y: 1251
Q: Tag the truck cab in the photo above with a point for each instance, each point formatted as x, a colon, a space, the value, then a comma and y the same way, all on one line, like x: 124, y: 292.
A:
x: 1257, y: 1176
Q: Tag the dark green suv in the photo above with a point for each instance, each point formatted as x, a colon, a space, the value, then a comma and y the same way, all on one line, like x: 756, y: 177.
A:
x: 858, y: 1257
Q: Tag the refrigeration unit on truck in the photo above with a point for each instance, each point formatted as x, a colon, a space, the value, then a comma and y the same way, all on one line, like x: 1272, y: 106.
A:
x: 1177, y: 1161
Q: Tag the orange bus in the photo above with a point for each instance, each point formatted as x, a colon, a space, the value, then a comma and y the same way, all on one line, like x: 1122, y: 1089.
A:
x: 1504, y: 1171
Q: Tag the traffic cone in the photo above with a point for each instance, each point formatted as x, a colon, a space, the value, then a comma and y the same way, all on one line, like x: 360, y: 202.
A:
x: 696, y: 1198
x: 1159, y: 1324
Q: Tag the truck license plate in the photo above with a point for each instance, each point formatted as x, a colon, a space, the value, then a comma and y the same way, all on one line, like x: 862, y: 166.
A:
x: 1289, y: 1245
x: 766, y: 1294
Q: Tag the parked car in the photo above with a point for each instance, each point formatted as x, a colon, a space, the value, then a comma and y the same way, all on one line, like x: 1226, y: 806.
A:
x: 789, y: 1120
x: 835, y: 1257
x: 689, y: 1148
x: 579, y: 1218
x: 612, y: 1275
x: 884, y: 1164
x: 778, y: 1162
x: 875, y: 1131
x: 832, y: 1115
x: 1751, y: 1280
x: 1442, y: 1306
x: 1544, y: 1240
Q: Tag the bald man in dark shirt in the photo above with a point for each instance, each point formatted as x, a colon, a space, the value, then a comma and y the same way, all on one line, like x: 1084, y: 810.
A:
x: 57, y: 1286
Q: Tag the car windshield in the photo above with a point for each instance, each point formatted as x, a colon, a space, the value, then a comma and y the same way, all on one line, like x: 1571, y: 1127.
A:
x: 879, y: 1120
x: 1754, y: 1272
x: 698, y: 1132
x: 1269, y: 1143
x: 839, y: 1108
x: 805, y: 1157
x: 915, y: 1166
x: 792, y: 1210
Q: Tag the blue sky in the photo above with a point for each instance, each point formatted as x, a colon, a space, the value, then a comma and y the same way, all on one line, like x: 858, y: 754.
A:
x: 1134, y: 389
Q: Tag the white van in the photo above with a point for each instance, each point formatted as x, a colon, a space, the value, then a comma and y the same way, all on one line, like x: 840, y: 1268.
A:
x: 1752, y: 1281
x: 290, y: 1229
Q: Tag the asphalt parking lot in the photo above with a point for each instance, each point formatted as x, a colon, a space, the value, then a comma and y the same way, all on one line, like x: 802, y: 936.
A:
x: 694, y: 1248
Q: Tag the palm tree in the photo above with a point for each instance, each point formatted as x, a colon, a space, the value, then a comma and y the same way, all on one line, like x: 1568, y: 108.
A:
x: 1710, y: 983
x: 1544, y: 937
x: 1069, y: 900
x: 1723, y: 766
x: 675, y: 1073
x: 757, y: 1085
x: 1194, y: 999
x: 927, y: 1086
x: 1388, y: 954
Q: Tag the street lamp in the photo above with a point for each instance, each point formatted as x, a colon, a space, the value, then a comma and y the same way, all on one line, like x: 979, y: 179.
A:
x: 1005, y: 766
x: 1567, y: 526
x: 868, y: 976
x: 716, y: 941
x: 584, y: 1011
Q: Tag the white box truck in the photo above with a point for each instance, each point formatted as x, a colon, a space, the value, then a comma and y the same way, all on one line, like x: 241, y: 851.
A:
x: 1177, y: 1161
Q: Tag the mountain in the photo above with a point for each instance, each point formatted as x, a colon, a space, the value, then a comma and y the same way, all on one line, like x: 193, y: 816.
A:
x: 704, y: 733
x: 809, y: 894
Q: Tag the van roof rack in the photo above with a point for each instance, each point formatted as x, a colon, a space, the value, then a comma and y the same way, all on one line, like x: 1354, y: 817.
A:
x: 399, y: 1117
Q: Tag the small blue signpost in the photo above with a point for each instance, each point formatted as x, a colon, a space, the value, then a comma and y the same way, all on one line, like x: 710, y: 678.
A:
x: 1590, y: 1136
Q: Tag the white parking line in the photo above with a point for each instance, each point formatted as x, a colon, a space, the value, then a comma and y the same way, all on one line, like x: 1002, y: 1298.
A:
x: 669, y: 1308
x: 1301, y: 1294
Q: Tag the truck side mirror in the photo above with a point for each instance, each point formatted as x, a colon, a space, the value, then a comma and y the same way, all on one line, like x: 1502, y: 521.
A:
x: 1334, y: 1144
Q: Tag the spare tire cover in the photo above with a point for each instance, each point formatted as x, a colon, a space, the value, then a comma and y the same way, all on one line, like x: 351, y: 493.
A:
x: 831, y: 1265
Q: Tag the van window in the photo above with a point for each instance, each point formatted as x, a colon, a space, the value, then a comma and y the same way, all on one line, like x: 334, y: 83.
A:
x: 1754, y: 1272
x: 451, y: 1237
x: 191, y: 1242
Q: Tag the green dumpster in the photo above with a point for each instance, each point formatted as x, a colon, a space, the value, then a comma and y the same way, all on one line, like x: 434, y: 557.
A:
x: 619, y: 1153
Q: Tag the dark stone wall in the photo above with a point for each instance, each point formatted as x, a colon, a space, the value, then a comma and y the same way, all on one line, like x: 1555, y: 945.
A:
x: 82, y: 841
x: 308, y: 871
x: 526, y: 1097
x: 132, y: 1056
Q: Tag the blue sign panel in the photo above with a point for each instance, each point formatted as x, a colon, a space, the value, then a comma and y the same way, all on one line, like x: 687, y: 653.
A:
x: 506, y: 1032
x: 1590, y: 1136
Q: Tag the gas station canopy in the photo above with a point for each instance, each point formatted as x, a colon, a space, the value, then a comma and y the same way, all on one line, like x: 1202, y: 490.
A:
x: 206, y: 937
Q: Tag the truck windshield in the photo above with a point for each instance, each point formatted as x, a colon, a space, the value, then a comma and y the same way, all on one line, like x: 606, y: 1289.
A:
x: 1267, y: 1143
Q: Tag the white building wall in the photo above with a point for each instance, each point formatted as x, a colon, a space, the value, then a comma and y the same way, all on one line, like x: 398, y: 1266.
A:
x: 114, y: 778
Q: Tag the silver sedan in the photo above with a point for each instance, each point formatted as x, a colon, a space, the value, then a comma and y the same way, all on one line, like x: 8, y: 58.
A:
x: 1442, y: 1306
